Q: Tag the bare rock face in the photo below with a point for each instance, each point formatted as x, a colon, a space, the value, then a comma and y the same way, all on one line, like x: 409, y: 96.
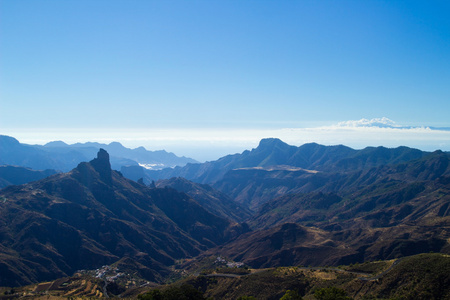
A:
x: 102, y: 165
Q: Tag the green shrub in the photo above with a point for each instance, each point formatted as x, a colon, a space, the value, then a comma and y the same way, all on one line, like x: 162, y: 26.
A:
x: 291, y: 295
x: 331, y: 293
x: 184, y: 292
x: 152, y: 295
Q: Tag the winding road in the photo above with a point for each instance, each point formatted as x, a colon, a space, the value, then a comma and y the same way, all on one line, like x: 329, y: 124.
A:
x: 363, y: 276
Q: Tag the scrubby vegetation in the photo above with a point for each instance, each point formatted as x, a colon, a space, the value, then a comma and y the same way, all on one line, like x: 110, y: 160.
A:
x: 331, y: 293
x: 424, y: 276
x: 183, y: 292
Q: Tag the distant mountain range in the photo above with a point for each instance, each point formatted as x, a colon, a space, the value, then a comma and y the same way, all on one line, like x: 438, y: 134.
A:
x: 274, y: 152
x: 283, y: 165
x: 63, y: 157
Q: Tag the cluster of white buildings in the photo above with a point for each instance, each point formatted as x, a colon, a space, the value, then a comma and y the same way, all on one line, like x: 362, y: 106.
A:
x: 102, y: 272
x: 229, y: 264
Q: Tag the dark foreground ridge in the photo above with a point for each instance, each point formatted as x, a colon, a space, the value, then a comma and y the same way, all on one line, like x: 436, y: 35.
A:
x: 423, y: 276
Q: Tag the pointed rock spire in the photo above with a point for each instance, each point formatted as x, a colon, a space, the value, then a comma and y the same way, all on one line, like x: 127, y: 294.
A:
x: 102, y: 165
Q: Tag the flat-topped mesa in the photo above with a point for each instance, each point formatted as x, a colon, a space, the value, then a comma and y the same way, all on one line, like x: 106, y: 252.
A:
x: 102, y: 165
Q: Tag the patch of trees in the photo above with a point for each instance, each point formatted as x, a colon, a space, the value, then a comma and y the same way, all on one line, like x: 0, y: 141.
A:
x: 183, y: 292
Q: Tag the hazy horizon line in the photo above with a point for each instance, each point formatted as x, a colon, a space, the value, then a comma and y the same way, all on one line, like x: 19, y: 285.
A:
x: 205, y: 144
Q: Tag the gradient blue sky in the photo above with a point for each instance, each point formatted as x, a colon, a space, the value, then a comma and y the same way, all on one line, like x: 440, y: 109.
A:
x: 146, y: 71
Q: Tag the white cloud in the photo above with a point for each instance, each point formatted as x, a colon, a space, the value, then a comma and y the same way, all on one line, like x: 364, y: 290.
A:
x: 376, y: 122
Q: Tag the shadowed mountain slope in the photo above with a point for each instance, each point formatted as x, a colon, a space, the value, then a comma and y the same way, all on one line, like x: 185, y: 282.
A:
x: 255, y: 186
x: 10, y: 175
x: 209, y: 198
x: 93, y: 216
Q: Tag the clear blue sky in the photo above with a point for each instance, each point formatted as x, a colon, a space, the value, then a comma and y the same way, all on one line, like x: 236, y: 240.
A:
x: 222, y: 64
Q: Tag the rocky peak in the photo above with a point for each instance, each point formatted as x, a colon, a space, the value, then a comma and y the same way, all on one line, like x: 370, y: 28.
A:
x: 102, y: 165
x: 271, y: 143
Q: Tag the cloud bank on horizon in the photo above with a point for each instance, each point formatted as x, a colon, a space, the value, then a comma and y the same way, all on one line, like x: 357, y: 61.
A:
x: 372, y: 132
x: 380, y: 123
x: 375, y: 122
x: 209, y: 144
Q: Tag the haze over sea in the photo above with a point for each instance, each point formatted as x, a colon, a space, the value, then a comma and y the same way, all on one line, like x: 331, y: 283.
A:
x: 208, y: 78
